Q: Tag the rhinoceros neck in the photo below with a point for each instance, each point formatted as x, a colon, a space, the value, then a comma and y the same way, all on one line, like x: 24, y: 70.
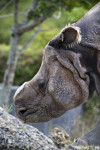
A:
x: 93, y: 16
x: 90, y: 27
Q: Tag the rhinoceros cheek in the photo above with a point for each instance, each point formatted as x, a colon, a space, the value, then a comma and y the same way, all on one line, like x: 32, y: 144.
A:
x: 64, y: 88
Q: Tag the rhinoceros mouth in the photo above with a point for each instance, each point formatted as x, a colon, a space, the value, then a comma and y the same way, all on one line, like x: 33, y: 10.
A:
x: 24, y: 112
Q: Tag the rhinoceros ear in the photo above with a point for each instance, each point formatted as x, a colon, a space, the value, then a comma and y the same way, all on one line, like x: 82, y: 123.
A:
x: 68, y: 37
x: 71, y: 36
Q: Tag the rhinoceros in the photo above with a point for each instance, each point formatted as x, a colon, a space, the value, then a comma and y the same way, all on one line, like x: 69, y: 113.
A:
x: 68, y: 76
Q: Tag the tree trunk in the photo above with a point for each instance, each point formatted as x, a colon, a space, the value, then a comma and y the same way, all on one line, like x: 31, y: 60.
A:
x: 11, y: 66
x: 17, y: 30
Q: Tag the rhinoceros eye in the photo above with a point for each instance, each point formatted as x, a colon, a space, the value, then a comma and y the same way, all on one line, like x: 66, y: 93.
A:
x: 41, y: 85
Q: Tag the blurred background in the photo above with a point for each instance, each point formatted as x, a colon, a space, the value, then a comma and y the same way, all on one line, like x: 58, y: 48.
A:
x: 55, y: 15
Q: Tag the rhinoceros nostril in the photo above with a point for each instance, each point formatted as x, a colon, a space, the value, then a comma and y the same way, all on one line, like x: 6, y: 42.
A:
x: 41, y: 85
x: 23, y: 112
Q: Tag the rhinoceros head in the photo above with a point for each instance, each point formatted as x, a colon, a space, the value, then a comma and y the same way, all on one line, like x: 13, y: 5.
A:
x: 66, y: 78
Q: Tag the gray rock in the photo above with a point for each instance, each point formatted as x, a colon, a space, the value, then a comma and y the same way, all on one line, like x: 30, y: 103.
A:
x: 15, y: 135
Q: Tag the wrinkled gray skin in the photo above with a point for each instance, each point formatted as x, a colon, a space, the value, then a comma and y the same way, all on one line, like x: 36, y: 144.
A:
x: 69, y: 73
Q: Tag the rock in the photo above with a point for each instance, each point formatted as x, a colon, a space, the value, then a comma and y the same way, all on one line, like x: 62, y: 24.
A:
x: 15, y: 135
x: 60, y: 138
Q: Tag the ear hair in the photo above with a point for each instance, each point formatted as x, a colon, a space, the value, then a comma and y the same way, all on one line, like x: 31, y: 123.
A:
x: 70, y: 35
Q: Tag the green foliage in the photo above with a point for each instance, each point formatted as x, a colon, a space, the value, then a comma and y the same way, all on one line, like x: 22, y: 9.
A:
x: 71, y: 11
x: 47, y: 7
x: 27, y: 67
x: 3, y: 58
x: 28, y: 64
x: 3, y: 3
x: 92, y: 106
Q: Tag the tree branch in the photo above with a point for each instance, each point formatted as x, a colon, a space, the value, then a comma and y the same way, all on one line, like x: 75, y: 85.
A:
x: 10, y: 15
x: 6, y: 6
x: 58, y: 16
x: 30, y: 40
x: 16, y: 12
x: 30, y: 26
x: 32, y: 8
